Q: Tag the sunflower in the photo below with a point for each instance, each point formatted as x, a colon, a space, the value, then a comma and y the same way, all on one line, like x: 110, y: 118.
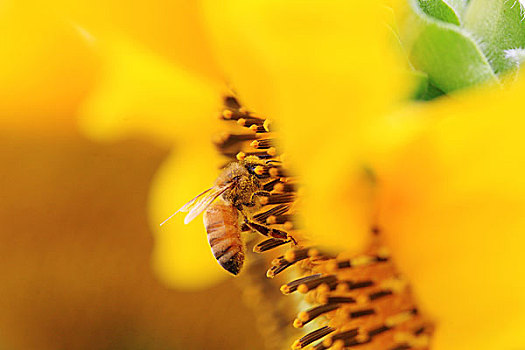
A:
x: 441, y: 180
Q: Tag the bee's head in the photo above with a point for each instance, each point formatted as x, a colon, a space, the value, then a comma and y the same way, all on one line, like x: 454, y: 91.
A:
x: 243, y: 182
x: 251, y: 163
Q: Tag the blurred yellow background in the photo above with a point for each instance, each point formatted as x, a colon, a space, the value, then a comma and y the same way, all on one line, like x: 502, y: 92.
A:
x: 75, y: 254
x: 75, y: 243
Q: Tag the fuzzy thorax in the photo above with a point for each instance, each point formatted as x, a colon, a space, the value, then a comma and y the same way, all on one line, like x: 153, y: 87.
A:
x: 244, y: 183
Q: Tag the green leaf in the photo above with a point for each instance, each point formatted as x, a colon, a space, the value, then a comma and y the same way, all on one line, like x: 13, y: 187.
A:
x: 424, y: 90
x: 439, y: 9
x: 445, y: 52
x: 499, y: 26
x: 420, y: 86
x: 431, y: 93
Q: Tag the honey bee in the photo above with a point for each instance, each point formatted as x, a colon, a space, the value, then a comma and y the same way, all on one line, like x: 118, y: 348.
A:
x: 227, y: 206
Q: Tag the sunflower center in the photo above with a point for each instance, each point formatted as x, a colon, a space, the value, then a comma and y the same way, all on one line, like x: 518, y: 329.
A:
x: 356, y: 301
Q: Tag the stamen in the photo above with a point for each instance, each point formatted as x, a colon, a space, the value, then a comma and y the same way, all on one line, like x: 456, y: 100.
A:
x: 279, y: 220
x: 295, y: 255
x: 284, y: 187
x: 278, y: 268
x: 290, y: 258
x: 231, y: 102
x: 277, y: 210
x: 259, y: 129
x: 250, y: 121
x: 273, y: 161
x: 276, y: 172
x: 402, y: 317
x: 278, y: 198
x: 292, y: 286
x: 411, y: 340
x: 235, y: 114
x: 390, y: 323
x: 268, y: 244
x: 325, y: 299
x: 380, y: 294
x: 312, y: 336
x: 262, y: 155
x: 401, y: 347
x: 396, y: 284
x: 279, y: 260
x: 351, y: 285
x: 356, y: 295
x: 419, y: 331
x: 363, y: 260
x: 306, y: 285
x: 304, y: 317
x: 378, y: 330
x: 355, y: 342
x: 349, y: 334
x: 361, y: 313
x: 262, y: 144
x: 269, y: 186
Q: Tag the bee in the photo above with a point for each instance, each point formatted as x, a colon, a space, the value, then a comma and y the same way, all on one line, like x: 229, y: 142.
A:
x: 227, y: 206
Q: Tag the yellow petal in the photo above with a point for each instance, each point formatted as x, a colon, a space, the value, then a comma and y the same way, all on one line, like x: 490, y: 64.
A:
x: 173, y: 29
x: 321, y: 69
x: 343, y: 182
x: 453, y: 210
x: 45, y: 69
x: 330, y: 56
x: 139, y: 93
x: 182, y: 256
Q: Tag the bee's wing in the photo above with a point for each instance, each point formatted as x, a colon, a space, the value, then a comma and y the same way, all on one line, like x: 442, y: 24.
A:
x: 187, y: 206
x: 202, y: 202
x: 198, y: 204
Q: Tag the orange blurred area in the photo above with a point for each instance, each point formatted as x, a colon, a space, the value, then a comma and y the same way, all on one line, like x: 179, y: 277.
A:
x: 76, y: 248
x: 45, y: 69
x: 75, y: 254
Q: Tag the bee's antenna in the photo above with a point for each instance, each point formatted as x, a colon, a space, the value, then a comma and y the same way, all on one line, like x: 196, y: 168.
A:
x: 172, y: 215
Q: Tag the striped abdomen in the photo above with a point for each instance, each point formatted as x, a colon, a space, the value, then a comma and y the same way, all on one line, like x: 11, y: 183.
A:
x: 222, y: 225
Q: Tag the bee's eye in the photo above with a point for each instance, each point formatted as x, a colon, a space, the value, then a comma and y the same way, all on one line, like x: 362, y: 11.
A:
x: 251, y: 168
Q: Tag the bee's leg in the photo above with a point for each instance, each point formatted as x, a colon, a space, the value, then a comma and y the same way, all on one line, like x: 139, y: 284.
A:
x: 258, y: 193
x: 269, y: 231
